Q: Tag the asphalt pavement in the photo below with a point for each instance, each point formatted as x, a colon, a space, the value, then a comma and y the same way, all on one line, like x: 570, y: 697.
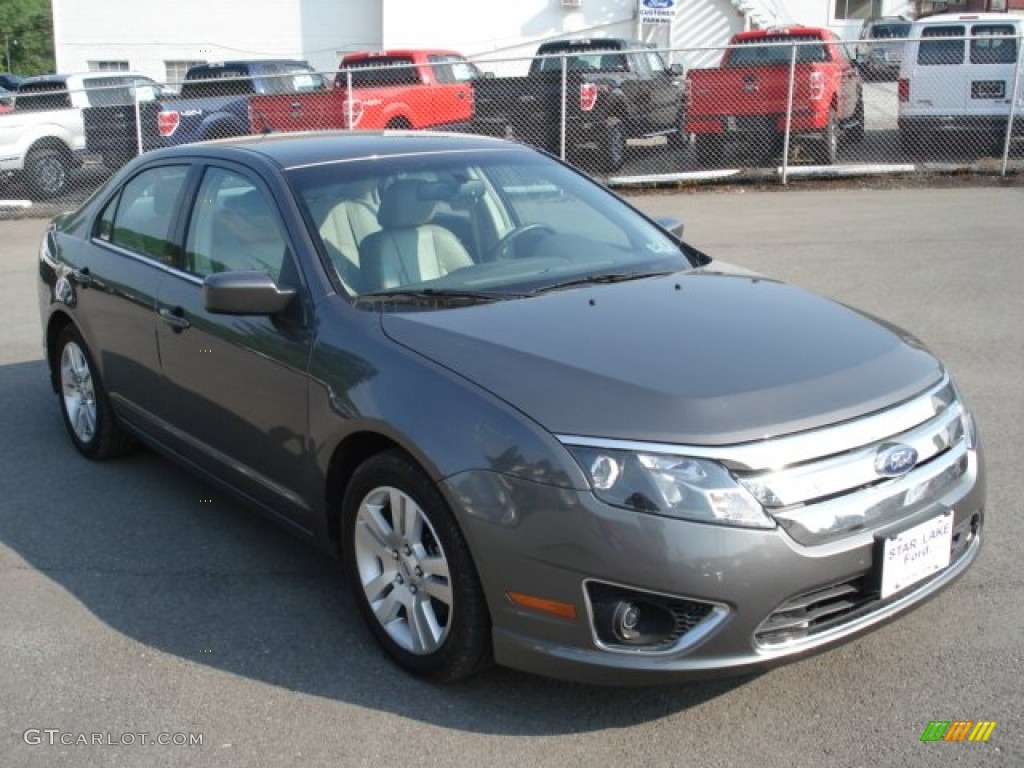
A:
x: 140, y: 604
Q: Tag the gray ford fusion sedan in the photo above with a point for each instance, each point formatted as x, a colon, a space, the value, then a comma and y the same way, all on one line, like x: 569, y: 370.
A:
x: 538, y: 427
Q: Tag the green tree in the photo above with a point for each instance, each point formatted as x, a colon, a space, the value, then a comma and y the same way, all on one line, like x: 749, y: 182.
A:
x: 26, y: 37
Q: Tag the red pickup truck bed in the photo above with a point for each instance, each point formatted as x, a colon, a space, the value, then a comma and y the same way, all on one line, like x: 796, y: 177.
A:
x: 748, y: 95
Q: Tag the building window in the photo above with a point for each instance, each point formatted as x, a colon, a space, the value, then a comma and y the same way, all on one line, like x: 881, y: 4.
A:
x: 108, y: 66
x: 176, y: 71
x: 858, y: 9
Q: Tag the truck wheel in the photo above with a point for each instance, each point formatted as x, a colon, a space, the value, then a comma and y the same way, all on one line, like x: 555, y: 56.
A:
x: 613, y: 148
x: 46, y: 172
x: 398, y: 124
x: 710, y: 150
x: 856, y: 129
x: 911, y: 141
x: 828, y: 150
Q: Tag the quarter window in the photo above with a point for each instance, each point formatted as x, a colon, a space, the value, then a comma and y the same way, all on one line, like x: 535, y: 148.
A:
x: 234, y: 226
x: 140, y: 218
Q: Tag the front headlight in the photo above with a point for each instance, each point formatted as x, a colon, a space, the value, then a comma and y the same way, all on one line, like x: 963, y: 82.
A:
x: 675, y: 486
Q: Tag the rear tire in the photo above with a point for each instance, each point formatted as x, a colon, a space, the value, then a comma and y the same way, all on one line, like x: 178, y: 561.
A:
x: 411, y: 571
x: 855, y: 132
x: 46, y: 172
x: 710, y: 149
x: 828, y: 149
x: 613, y: 148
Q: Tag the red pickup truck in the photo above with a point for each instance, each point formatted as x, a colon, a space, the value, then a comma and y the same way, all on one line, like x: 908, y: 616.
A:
x: 389, y: 89
x: 746, y: 96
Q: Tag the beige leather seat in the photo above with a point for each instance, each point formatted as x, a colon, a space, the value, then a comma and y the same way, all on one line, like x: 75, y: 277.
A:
x: 408, y: 249
x: 343, y: 226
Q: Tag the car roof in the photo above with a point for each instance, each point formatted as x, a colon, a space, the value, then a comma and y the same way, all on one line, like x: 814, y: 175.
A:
x: 293, y: 150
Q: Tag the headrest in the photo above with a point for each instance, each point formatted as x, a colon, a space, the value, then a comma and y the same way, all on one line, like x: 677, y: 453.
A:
x: 401, y: 206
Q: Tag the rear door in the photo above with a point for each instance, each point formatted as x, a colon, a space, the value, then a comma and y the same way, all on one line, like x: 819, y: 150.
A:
x: 992, y: 56
x: 937, y: 73
x: 118, y: 273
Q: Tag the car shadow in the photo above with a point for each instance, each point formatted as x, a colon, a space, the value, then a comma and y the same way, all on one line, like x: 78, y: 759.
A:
x: 171, y: 562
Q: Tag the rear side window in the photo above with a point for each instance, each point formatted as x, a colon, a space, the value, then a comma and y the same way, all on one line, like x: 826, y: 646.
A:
x: 937, y: 48
x: 993, y: 44
x: 40, y: 97
x: 201, y: 82
x: 140, y: 218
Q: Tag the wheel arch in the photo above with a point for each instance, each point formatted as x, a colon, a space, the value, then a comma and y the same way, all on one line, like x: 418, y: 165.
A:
x: 54, y: 327
x: 346, y: 458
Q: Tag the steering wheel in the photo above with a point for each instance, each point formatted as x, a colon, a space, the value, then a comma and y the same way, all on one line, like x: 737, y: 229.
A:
x: 504, y: 249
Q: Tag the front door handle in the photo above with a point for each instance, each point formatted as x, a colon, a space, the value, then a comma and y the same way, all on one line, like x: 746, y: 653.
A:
x: 175, y: 318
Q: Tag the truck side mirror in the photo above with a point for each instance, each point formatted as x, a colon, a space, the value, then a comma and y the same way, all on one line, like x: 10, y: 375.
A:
x: 676, y: 70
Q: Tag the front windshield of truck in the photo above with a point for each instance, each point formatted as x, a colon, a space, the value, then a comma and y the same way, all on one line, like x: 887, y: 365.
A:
x: 496, y: 224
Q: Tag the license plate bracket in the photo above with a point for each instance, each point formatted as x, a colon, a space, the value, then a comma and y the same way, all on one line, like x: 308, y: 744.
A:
x: 912, y: 555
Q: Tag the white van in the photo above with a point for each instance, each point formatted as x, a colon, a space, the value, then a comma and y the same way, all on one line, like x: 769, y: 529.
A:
x: 957, y: 74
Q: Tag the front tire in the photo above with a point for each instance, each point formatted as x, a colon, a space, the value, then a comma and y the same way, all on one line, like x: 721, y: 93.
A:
x: 86, y: 409
x: 411, y: 571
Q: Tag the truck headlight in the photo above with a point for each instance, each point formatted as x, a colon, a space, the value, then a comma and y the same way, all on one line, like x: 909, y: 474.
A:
x: 674, y: 486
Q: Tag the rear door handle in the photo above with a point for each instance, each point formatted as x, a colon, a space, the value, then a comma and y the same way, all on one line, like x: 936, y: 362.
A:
x: 175, y: 318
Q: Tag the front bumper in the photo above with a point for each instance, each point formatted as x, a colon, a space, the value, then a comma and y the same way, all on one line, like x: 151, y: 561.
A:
x: 551, y: 542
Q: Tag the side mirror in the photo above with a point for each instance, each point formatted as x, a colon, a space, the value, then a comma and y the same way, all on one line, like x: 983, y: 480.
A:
x: 671, y: 225
x: 244, y: 293
x: 676, y: 70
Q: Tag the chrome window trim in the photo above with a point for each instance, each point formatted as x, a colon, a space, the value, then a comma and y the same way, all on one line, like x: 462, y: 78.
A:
x: 147, y: 260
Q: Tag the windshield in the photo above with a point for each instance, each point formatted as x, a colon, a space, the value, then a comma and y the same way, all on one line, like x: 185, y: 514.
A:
x: 502, y: 223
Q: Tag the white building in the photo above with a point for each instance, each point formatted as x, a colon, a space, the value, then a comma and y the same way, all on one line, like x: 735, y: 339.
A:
x: 162, y: 39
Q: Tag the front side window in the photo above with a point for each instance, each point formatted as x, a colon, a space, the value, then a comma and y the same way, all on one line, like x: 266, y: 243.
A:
x: 140, y: 218
x: 233, y: 227
x: 941, y: 46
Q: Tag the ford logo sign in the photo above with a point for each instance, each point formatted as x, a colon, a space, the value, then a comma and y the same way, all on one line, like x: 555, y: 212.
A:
x: 894, y: 460
x: 659, y: 3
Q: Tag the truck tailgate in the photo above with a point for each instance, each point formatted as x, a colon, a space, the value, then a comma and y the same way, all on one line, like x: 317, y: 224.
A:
x: 745, y: 91
x: 291, y: 112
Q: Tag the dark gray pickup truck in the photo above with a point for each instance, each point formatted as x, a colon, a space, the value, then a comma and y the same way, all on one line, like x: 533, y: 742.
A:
x: 213, y: 104
x: 615, y: 90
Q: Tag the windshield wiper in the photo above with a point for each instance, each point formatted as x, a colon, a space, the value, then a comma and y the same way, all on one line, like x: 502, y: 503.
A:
x: 603, y: 278
x: 428, y: 295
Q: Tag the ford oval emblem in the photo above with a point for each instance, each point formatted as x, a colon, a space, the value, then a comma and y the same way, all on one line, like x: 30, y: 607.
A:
x: 894, y: 460
x: 658, y: 3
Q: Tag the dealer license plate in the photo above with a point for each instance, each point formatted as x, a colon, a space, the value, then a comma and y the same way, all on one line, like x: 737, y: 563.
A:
x: 915, y: 554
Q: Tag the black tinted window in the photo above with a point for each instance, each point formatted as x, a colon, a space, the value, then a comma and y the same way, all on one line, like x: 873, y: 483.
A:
x: 38, y: 97
x: 993, y: 44
x: 936, y: 47
x: 380, y: 71
x: 142, y: 221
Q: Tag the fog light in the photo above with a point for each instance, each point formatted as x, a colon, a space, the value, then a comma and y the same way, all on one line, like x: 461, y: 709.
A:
x: 641, y: 623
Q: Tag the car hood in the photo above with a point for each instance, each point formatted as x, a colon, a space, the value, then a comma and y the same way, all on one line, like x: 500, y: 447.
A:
x: 702, y: 357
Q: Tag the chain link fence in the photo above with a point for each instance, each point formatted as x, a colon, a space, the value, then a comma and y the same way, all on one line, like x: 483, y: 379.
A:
x: 777, y: 109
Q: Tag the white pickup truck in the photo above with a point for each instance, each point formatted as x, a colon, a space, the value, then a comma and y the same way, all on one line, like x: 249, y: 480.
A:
x: 43, y: 138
